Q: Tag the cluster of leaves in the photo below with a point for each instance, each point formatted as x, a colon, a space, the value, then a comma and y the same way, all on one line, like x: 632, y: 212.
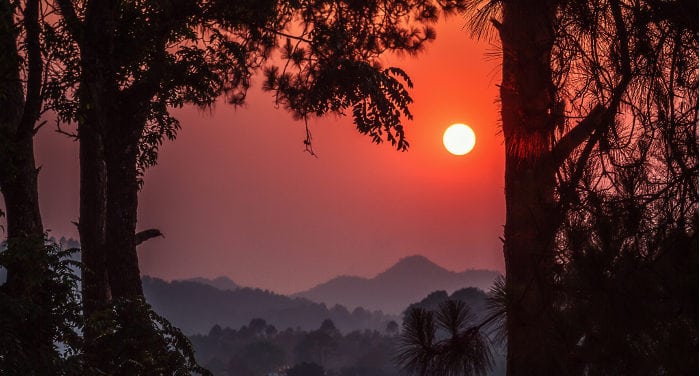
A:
x: 142, y: 342
x: 60, y: 298
x: 330, y: 61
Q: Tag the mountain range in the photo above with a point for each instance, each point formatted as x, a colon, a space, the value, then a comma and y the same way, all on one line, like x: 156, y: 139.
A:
x: 391, y: 291
x: 195, y: 307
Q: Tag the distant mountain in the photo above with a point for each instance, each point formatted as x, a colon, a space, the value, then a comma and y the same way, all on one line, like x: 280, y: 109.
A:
x: 196, y: 307
x: 409, y: 280
x: 221, y: 283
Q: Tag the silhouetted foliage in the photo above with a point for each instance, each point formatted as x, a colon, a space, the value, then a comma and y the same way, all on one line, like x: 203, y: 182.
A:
x: 446, y: 342
x: 141, y: 342
x: 60, y: 297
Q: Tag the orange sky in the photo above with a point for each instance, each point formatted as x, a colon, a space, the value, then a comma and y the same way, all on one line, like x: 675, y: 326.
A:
x: 236, y: 195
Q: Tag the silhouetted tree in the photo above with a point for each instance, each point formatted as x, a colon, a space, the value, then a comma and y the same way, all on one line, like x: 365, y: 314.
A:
x: 318, y: 346
x: 257, y: 326
x: 270, y: 331
x: 21, y: 102
x: 573, y: 74
x: 392, y: 328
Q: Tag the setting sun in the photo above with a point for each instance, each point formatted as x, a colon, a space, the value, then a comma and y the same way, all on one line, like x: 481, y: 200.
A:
x: 459, y: 139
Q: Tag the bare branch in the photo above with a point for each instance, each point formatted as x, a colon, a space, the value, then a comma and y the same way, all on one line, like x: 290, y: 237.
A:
x: 144, y: 235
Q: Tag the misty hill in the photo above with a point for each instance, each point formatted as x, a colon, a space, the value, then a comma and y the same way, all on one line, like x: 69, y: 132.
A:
x: 221, y: 283
x: 391, y: 291
x: 196, y: 307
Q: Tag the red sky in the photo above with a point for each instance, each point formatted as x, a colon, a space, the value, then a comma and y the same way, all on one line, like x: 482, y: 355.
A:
x: 235, y: 194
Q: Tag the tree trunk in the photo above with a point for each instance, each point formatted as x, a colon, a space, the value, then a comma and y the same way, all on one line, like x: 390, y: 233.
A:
x: 528, y: 100
x: 121, y: 153
x: 25, y: 232
x: 93, y: 179
x: 96, y: 294
x: 27, y: 264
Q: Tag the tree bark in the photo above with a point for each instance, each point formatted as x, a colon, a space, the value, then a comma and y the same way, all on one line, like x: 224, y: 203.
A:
x: 528, y: 114
x: 121, y: 154
x: 96, y: 294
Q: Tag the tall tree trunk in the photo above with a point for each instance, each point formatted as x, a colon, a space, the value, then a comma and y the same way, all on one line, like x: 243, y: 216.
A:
x: 95, y: 39
x: 26, y: 270
x: 121, y: 153
x: 528, y: 100
x: 96, y: 294
x: 93, y: 182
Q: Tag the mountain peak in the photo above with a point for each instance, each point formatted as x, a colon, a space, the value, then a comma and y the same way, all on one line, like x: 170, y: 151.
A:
x: 414, y: 260
x: 413, y: 265
x: 407, y: 281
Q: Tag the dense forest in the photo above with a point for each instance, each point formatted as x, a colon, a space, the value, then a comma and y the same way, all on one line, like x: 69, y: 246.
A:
x: 259, y: 348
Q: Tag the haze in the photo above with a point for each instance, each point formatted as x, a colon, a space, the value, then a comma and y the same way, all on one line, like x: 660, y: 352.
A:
x: 235, y: 195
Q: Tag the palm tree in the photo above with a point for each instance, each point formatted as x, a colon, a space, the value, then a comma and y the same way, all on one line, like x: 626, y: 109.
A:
x: 448, y: 342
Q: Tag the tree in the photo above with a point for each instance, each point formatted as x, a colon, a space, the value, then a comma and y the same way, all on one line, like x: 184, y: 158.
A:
x: 138, y: 59
x: 571, y: 70
x: 392, y: 328
x: 21, y: 99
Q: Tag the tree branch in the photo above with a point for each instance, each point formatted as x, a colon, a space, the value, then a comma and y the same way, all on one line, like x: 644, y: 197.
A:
x: 144, y: 235
x: 599, y: 118
x: 578, y: 134
x: 75, y: 26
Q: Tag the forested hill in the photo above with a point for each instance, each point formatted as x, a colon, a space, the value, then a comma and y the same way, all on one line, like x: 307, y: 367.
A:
x: 221, y: 283
x: 195, y: 307
x: 391, y: 291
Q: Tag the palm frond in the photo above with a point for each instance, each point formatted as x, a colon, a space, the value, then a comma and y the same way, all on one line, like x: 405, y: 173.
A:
x: 454, y: 316
x: 467, y: 351
x: 417, y: 348
x: 496, y: 306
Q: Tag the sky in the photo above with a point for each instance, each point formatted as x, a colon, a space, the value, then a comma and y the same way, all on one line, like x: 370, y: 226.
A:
x: 236, y: 195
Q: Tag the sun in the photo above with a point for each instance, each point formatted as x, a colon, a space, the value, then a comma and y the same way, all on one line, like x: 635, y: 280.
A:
x: 459, y: 139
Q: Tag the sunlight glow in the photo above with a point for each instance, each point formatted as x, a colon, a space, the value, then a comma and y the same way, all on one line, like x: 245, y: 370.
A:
x: 459, y: 139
